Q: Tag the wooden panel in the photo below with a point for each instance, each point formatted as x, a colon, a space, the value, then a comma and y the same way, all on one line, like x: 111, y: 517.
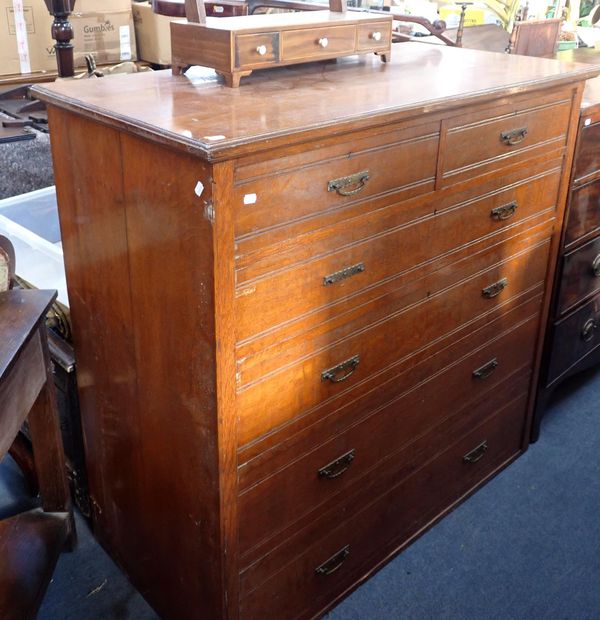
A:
x: 213, y: 46
x: 574, y: 337
x: 317, y: 42
x: 373, y: 36
x: 476, y: 141
x: 388, y: 248
x: 20, y: 385
x: 30, y: 544
x: 412, y: 162
x: 588, y: 153
x: 287, y: 494
x: 580, y: 275
x: 583, y: 215
x: 256, y: 50
x: 284, y: 393
x: 374, y: 531
x: 131, y: 359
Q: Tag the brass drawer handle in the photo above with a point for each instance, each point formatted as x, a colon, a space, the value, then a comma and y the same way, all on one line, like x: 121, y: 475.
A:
x: 347, y: 369
x: 588, y: 329
x: 486, y: 370
x: 515, y: 136
x: 504, y: 212
x: 358, y: 179
x: 476, y: 454
x: 339, y: 466
x: 494, y: 289
x: 596, y: 266
x: 334, y: 562
x: 343, y: 274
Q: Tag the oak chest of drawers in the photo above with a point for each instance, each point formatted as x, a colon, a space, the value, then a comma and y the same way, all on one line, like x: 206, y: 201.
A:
x: 306, y: 312
x: 573, y: 334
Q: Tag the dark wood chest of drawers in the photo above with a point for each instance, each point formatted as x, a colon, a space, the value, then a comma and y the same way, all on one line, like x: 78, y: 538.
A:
x: 307, y: 312
x: 573, y: 336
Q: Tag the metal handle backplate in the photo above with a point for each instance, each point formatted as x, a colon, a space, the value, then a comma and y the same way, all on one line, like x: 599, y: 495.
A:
x: 334, y: 562
x: 476, y: 454
x: 504, y: 212
x: 596, y: 266
x: 343, y: 274
x: 356, y: 182
x: 342, y: 371
x: 494, y: 289
x: 514, y: 136
x: 486, y: 370
x: 339, y: 466
x: 588, y: 329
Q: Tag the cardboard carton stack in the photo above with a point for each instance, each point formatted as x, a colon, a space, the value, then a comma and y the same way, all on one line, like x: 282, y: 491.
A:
x: 103, y: 28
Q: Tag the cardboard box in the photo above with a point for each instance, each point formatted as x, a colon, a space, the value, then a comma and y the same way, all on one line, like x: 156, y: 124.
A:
x: 152, y: 33
x: 30, y: 24
x: 104, y: 29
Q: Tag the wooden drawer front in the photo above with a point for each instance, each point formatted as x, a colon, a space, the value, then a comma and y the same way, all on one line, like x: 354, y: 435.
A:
x: 285, y: 497
x: 383, y: 254
x: 265, y: 198
x: 583, y: 217
x: 574, y: 337
x: 254, y: 50
x: 285, y: 392
x: 374, y: 36
x: 580, y: 275
x: 216, y: 9
x: 476, y: 145
x: 587, y: 158
x: 331, y: 563
x: 317, y: 42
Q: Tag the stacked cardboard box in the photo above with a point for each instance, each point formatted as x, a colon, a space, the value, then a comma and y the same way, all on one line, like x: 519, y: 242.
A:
x: 103, y: 28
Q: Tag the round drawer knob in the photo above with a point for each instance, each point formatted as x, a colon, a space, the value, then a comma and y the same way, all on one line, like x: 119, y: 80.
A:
x: 376, y: 36
x: 324, y: 42
x: 596, y: 266
x: 262, y: 49
x: 587, y: 331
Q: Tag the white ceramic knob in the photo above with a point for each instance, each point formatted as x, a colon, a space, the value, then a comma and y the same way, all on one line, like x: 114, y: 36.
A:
x: 376, y: 36
x: 262, y: 49
x: 324, y: 42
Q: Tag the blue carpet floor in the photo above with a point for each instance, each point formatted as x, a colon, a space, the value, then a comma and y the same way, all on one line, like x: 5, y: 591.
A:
x: 526, y: 546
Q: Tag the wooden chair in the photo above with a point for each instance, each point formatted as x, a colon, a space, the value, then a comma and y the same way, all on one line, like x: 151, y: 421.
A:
x: 535, y: 38
x: 30, y: 542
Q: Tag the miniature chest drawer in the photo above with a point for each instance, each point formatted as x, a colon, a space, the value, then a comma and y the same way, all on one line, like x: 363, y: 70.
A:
x: 373, y: 36
x: 378, y: 521
x: 369, y: 446
x: 254, y: 50
x: 580, y: 276
x: 313, y: 43
x: 574, y: 337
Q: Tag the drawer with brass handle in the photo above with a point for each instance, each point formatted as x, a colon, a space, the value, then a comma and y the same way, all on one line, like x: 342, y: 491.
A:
x: 325, y: 179
x: 286, y: 495
x: 580, y: 276
x: 376, y: 519
x: 583, y: 217
x: 573, y: 337
x: 285, y: 387
x: 478, y: 143
x: 381, y: 255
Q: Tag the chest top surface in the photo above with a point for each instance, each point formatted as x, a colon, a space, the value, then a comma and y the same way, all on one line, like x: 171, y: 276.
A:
x: 299, y: 102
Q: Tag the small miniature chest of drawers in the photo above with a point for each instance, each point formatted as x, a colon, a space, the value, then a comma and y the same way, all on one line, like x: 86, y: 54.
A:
x: 573, y: 336
x: 307, y: 312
